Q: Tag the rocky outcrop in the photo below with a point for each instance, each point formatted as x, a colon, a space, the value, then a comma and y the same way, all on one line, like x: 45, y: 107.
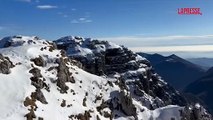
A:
x: 64, y: 75
x: 195, y: 112
x: 126, y: 104
x: 39, y: 61
x: 85, y: 116
x: 5, y: 65
x: 31, y: 115
x: 39, y: 83
x: 38, y: 95
x: 37, y: 80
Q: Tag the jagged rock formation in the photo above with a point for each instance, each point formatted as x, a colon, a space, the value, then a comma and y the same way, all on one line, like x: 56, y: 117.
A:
x: 194, y: 112
x: 47, y: 84
x: 126, y: 104
x: 5, y: 65
x: 63, y: 75
x: 39, y: 61
x: 110, y: 59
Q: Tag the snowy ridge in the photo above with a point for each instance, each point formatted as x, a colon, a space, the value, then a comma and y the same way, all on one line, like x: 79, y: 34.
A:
x: 78, y: 46
x: 45, y: 84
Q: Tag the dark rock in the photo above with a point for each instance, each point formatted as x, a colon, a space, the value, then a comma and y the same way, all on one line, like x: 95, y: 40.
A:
x: 5, y: 65
x: 85, y: 116
x: 63, y: 75
x: 107, y: 115
x: 52, y: 46
x: 84, y: 101
x: 103, y: 105
x: 63, y: 104
x: 31, y: 115
x: 37, y: 79
x: 40, y: 118
x: 38, y: 83
x: 38, y: 95
x: 194, y: 112
x: 138, y: 91
x: 126, y: 104
x: 39, y: 61
x: 30, y: 102
x: 97, y: 117
x: 36, y: 72
x: 97, y: 97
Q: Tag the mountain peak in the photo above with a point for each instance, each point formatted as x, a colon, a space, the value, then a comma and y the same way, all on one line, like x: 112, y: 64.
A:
x: 19, y: 40
x: 174, y: 56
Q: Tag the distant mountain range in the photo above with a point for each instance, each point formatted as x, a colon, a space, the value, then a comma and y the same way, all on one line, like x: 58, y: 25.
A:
x: 206, y: 63
x: 175, y: 70
x: 203, y: 88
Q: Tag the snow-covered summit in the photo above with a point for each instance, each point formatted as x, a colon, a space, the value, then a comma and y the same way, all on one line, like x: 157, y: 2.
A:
x: 86, y: 47
x: 43, y: 83
x: 19, y: 40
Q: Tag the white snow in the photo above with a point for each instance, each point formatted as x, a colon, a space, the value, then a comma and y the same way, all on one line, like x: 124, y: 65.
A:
x: 197, y: 105
x: 112, y: 46
x: 13, y: 89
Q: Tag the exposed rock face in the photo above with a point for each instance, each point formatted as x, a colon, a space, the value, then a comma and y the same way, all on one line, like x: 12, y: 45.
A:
x: 31, y: 115
x: 38, y: 82
x: 102, y: 57
x: 39, y: 61
x: 5, y: 64
x: 195, y: 112
x: 85, y: 116
x: 39, y: 96
x: 126, y: 104
x: 35, y: 72
x: 63, y: 75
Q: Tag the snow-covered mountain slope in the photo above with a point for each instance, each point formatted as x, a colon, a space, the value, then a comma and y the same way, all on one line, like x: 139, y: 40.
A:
x: 39, y: 82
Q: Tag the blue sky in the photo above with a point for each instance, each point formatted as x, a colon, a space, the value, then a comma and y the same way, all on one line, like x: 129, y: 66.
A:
x: 134, y: 23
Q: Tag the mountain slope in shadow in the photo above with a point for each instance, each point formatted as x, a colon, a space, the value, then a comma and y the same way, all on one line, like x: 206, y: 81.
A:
x: 202, y: 88
x: 175, y: 70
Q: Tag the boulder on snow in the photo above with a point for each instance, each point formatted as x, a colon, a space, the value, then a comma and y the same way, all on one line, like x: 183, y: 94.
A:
x: 39, y: 61
x: 31, y: 115
x: 35, y: 72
